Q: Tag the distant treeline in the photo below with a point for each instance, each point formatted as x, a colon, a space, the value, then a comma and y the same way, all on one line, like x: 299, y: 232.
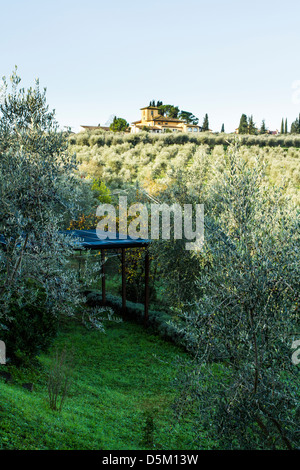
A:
x: 104, y: 138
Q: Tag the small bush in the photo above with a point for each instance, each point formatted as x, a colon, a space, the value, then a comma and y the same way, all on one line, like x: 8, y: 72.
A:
x: 30, y: 327
x: 60, y: 379
x: 148, y: 429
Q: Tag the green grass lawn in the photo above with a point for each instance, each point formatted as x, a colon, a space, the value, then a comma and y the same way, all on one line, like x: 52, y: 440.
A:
x: 121, y: 395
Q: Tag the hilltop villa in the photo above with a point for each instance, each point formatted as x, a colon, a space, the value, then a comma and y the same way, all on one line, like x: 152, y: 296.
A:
x: 155, y: 122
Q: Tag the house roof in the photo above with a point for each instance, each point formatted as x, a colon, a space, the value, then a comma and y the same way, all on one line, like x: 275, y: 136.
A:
x: 141, y: 125
x: 149, y: 107
x: 165, y: 118
x: 168, y: 119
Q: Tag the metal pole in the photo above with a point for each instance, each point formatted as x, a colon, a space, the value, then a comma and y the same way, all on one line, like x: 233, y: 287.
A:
x: 103, y: 276
x: 147, y: 270
x: 79, y: 266
x: 123, y: 282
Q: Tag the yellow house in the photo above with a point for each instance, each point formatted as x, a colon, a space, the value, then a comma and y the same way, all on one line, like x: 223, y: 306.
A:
x: 154, y: 122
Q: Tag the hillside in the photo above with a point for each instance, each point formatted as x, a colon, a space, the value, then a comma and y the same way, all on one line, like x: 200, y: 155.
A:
x: 122, y: 159
x: 120, y: 395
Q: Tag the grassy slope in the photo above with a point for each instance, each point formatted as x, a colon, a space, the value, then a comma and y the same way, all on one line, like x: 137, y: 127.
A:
x: 119, y: 378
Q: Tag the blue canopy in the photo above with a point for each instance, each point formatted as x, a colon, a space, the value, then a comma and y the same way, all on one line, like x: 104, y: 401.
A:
x: 89, y: 239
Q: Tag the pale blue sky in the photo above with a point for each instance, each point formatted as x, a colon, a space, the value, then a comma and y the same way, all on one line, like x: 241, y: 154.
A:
x: 98, y: 58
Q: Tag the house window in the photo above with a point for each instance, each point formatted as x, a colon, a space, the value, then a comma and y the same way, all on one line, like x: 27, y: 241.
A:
x: 190, y: 129
x: 195, y: 129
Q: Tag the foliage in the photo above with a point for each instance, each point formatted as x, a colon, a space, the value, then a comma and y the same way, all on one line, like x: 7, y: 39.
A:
x: 157, y: 104
x: 117, y: 377
x: 172, y: 111
x: 148, y: 430
x: 101, y: 191
x: 84, y: 222
x: 168, y: 110
x: 123, y: 160
x: 91, y: 141
x: 263, y: 129
x: 247, y: 310
x: 60, y: 378
x: 295, y: 126
x: 243, y: 126
x: 95, y: 317
x: 39, y: 191
x: 188, y: 117
x: 135, y: 275
x: 247, y: 125
x: 205, y: 125
x: 160, y: 320
x: 118, y: 124
x: 251, y: 126
x: 171, y: 256
x: 30, y: 327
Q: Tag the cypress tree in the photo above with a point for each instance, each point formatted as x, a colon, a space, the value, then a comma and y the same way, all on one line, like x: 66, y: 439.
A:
x: 205, y: 125
x: 286, y: 127
x: 263, y: 129
x: 295, y: 126
x: 222, y: 128
x: 243, y: 126
x: 282, y: 127
x: 251, y: 126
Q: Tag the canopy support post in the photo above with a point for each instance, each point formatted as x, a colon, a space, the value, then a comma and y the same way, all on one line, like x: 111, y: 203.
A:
x: 103, y: 276
x: 123, y: 282
x: 147, y: 271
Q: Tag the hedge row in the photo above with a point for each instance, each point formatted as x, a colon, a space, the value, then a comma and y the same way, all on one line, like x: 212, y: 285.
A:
x: 101, y: 139
x: 159, y: 321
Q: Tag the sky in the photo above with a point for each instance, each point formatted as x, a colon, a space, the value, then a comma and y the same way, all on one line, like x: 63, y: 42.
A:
x: 102, y: 58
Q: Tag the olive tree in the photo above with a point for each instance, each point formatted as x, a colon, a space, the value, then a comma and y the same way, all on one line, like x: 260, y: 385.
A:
x: 242, y: 382
x: 39, y: 191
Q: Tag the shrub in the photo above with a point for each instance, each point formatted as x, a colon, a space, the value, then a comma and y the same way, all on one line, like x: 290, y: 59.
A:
x: 160, y: 322
x: 29, y: 328
x: 39, y: 192
x: 60, y: 378
x: 247, y: 311
x: 149, y: 428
